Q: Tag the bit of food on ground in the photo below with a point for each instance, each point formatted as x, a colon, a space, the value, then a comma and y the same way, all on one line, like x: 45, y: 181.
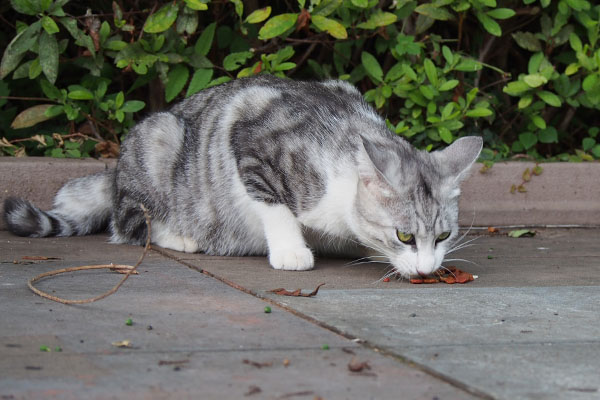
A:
x: 122, y: 343
x: 358, y: 366
x: 448, y: 275
x: 297, y: 292
x: 492, y: 229
x: 386, y: 279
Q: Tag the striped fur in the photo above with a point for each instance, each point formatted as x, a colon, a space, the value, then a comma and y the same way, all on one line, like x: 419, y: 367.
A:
x: 268, y: 166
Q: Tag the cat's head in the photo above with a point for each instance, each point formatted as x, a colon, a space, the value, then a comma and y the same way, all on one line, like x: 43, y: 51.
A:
x: 407, y: 201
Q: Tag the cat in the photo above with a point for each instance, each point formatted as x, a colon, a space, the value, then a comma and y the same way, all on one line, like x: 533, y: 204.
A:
x: 269, y: 166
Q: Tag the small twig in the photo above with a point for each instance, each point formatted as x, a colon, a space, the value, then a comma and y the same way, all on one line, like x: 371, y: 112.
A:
x: 86, y: 267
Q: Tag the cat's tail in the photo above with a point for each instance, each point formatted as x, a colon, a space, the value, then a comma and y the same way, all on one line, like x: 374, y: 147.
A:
x: 82, y: 206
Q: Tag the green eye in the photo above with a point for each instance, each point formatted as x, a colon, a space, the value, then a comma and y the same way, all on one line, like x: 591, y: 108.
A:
x: 443, y: 236
x: 407, y: 238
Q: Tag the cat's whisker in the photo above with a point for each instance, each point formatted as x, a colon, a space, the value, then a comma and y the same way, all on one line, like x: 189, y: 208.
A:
x: 460, y: 246
x: 452, y: 273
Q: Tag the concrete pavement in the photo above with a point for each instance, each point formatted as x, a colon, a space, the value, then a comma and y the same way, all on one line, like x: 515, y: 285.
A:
x: 527, y: 328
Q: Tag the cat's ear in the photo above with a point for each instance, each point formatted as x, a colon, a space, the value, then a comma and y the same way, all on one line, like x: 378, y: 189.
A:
x: 375, y: 162
x: 456, y: 159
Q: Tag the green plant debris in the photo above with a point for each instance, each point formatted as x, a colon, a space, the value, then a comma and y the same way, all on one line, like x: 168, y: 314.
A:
x: 58, y: 349
x: 521, y: 233
x: 45, y: 348
x: 129, y: 322
x: 325, y: 347
x: 267, y: 310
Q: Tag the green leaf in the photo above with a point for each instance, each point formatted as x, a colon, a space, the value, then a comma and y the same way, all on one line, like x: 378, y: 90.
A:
x: 549, y: 98
x: 535, y: 62
x: 204, y: 42
x: 258, y: 15
x: 372, y: 66
x: 331, y: 26
x: 571, y: 69
x: 360, y: 3
x: 528, y: 41
x: 525, y: 101
x: 31, y: 116
x: 538, y: 121
x: 527, y: 139
x: 49, y: 25
x: 534, y: 80
x: 50, y: 90
x: 587, y: 143
x: 431, y: 72
x: 27, y: 7
x: 447, y: 54
x: 81, y: 94
x: 235, y: 60
x: 277, y: 25
x: 589, y: 82
x: 239, y: 7
x: 501, y: 13
x: 119, y: 99
x: 133, y: 106
x: 161, y: 20
x: 578, y: 5
x: 448, y: 85
x: 48, y: 54
x: 516, y: 88
x: 431, y: 11
x: 55, y: 110
x: 521, y: 233
x: 176, y: 80
x: 479, y: 112
x: 575, y: 42
x: 445, y: 134
x: 81, y: 38
x: 468, y: 65
x: 548, y: 135
x: 35, y: 69
x: 427, y: 91
x: 196, y: 5
x: 377, y: 19
x: 326, y: 7
x: 18, y: 46
x: 489, y: 24
x: 200, y: 80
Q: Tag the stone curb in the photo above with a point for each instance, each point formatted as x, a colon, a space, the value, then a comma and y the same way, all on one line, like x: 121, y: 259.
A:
x: 564, y: 194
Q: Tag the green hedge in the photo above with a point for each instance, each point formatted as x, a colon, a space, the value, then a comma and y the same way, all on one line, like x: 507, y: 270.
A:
x: 525, y: 75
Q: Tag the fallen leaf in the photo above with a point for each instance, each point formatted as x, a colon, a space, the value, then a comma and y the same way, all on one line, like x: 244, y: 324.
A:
x: 358, y: 366
x: 257, y: 364
x: 492, y: 229
x: 521, y: 233
x: 122, y: 343
x: 297, y: 292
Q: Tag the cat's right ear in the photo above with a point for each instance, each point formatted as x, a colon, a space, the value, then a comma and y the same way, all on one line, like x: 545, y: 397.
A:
x: 372, y: 165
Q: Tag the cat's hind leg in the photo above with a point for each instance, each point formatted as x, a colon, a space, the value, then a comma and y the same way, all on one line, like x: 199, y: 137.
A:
x: 287, y: 249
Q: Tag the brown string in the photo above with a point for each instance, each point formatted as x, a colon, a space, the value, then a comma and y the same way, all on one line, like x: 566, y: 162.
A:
x: 130, y: 270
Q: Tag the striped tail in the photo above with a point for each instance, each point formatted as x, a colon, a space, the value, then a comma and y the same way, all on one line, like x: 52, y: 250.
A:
x: 82, y: 206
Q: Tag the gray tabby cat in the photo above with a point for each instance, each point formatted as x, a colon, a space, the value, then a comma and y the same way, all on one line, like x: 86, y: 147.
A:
x: 269, y: 166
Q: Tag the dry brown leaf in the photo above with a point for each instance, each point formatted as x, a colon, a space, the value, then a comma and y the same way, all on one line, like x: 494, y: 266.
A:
x: 39, y: 258
x: 107, y: 149
x: 449, y: 275
x: 297, y: 292
x: 123, y: 269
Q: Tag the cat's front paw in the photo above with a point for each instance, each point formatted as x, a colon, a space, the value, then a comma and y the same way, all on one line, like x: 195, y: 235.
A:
x: 300, y: 259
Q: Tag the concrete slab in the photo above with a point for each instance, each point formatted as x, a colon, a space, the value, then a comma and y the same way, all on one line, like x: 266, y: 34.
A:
x: 527, y: 328
x: 201, y: 332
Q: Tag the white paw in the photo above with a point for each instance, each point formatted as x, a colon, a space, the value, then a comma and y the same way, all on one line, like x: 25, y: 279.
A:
x: 178, y: 243
x: 300, y: 259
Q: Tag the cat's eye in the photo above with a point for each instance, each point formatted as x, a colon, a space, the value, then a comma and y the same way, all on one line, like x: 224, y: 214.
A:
x: 406, y: 238
x: 443, y: 236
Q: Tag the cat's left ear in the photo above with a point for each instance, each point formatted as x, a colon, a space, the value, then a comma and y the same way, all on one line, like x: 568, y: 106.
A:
x: 456, y: 159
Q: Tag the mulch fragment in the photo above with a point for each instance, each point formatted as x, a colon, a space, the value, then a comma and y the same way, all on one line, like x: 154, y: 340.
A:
x: 296, y: 293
